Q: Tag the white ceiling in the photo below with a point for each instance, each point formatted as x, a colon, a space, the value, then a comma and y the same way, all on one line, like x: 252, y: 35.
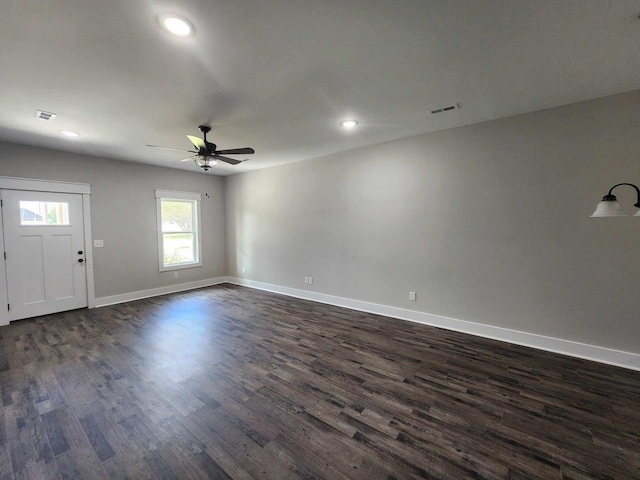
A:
x: 279, y: 75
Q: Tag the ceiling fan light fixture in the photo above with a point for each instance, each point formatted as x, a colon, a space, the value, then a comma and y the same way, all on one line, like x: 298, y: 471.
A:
x: 349, y: 124
x: 205, y: 163
x: 176, y: 25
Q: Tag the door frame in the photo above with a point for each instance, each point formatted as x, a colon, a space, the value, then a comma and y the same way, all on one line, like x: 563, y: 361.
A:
x: 32, y: 184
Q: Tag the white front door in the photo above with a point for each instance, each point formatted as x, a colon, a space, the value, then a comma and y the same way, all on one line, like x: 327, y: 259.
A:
x: 45, y: 252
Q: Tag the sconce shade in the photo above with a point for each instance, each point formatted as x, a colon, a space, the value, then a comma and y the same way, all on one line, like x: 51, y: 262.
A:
x: 609, y: 208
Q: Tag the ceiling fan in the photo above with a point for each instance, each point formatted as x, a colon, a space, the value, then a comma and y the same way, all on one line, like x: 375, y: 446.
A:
x: 206, y: 156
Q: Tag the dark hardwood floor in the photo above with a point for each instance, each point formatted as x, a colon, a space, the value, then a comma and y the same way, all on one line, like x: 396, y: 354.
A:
x: 233, y: 383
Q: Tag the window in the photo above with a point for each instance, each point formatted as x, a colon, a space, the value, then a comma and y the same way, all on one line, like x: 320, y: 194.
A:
x: 178, y: 229
x: 43, y: 213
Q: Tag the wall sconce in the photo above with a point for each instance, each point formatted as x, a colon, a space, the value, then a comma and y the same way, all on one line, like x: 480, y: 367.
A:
x: 609, y: 206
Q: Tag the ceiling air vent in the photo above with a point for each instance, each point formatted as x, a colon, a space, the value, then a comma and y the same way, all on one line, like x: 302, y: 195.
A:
x: 448, y: 108
x: 42, y: 115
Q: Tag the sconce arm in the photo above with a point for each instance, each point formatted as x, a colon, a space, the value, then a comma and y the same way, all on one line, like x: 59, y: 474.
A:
x: 610, y: 196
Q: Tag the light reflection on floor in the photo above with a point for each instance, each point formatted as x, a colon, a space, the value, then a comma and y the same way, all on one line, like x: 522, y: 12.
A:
x: 178, y: 337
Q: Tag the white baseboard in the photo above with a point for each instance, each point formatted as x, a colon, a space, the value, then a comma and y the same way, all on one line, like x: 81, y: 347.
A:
x: 565, y: 347
x: 154, y: 292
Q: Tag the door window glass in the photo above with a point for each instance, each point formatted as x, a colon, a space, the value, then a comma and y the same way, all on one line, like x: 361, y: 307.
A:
x: 44, y: 213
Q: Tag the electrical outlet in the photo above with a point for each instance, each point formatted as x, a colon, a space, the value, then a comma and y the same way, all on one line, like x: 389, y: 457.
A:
x: 244, y: 270
x: 412, y: 296
x: 310, y: 280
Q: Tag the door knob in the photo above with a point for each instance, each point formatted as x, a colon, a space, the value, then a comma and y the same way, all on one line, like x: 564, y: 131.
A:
x: 80, y: 260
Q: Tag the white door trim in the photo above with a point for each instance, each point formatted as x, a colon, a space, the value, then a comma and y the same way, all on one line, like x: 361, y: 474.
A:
x: 11, y: 183
x: 15, y: 183
x: 4, y: 291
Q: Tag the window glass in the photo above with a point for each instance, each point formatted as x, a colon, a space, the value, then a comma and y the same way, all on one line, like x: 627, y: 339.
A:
x: 44, y: 213
x: 178, y: 237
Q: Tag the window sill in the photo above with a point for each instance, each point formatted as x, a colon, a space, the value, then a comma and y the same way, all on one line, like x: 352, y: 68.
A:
x: 180, y: 266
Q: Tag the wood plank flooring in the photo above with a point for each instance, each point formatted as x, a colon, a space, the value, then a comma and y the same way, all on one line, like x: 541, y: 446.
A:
x: 233, y: 383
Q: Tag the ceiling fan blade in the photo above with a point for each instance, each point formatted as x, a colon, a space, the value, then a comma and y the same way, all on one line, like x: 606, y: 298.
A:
x: 169, y: 148
x: 188, y: 159
x: 237, y: 151
x: 198, y: 143
x: 232, y: 161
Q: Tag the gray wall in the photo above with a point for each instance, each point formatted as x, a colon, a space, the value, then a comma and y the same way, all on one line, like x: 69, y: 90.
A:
x: 488, y: 223
x: 123, y: 214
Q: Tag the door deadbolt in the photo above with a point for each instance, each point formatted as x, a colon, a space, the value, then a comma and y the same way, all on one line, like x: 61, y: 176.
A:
x: 80, y: 260
x: 80, y: 252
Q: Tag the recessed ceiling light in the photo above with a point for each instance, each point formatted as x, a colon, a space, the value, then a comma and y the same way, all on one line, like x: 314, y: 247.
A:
x: 69, y: 134
x: 175, y: 24
x: 349, y: 123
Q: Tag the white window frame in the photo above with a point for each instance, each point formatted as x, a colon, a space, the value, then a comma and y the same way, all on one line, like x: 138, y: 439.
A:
x: 197, y: 200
